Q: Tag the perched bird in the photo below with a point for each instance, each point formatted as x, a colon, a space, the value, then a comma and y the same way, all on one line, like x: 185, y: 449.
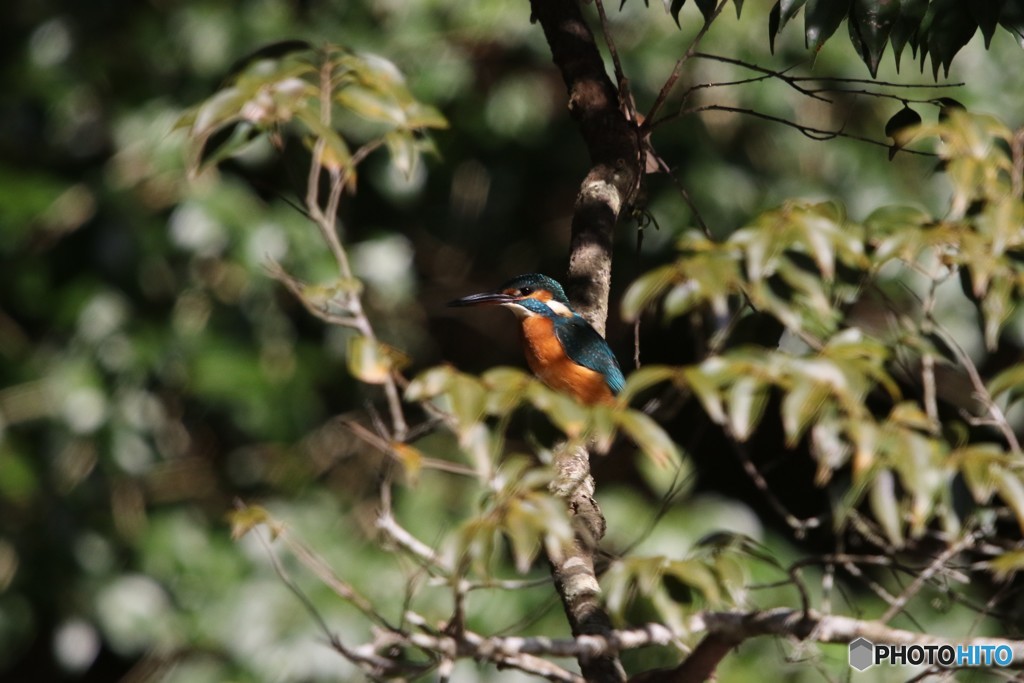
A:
x: 562, y: 349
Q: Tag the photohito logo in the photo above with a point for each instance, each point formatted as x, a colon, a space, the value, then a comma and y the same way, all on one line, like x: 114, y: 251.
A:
x: 864, y: 654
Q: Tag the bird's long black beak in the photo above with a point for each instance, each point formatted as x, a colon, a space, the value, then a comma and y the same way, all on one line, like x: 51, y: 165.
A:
x: 483, y: 299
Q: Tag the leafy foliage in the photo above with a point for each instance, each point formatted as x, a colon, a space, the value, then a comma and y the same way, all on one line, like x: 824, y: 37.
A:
x: 151, y: 374
x: 808, y: 266
x: 271, y: 93
x: 936, y: 28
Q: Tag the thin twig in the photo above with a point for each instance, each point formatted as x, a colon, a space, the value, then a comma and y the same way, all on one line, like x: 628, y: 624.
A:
x: 808, y: 131
x: 1017, y: 155
x: 326, y: 221
x: 686, y: 198
x: 937, y: 564
x: 363, y: 657
x: 677, y: 70
x: 398, y: 535
x: 297, y: 288
x: 980, y: 390
x: 620, y: 75
x: 791, y: 81
x: 386, y: 447
x: 799, y: 526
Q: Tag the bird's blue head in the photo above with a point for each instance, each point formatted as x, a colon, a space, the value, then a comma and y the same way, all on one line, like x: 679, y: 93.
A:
x: 526, y: 295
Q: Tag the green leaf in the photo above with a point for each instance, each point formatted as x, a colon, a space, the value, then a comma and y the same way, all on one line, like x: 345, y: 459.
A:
x: 419, y: 115
x: 821, y: 19
x: 746, y: 400
x: 682, y: 298
x: 272, y: 51
x: 223, y: 144
x: 248, y: 517
x: 602, y: 428
x: 696, y: 574
x: 902, y: 127
x: 1007, y: 564
x: 905, y: 30
x: 949, y: 26
x: 787, y: 10
x: 975, y: 463
x: 18, y: 481
x: 801, y: 405
x: 903, y: 119
x: 986, y: 14
x: 506, y: 389
x: 1011, y: 490
x: 411, y: 459
x: 217, y: 111
x: 923, y: 472
x: 909, y: 414
x: 467, y: 399
x: 1009, y: 380
x: 372, y: 361
x: 645, y: 378
x: 773, y: 25
x: 477, y: 540
x: 404, y: 151
x: 1012, y: 19
x: 829, y: 447
x: 674, y: 7
x: 476, y: 441
x: 649, y: 437
x: 430, y: 383
x: 523, y: 535
x: 707, y: 8
x: 996, y: 308
x: 371, y: 104
x: 885, y: 506
x: 870, y: 25
x: 645, y: 290
x: 707, y: 391
x: 568, y: 414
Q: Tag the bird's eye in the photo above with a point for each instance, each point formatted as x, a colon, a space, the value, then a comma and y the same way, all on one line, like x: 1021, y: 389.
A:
x: 526, y: 291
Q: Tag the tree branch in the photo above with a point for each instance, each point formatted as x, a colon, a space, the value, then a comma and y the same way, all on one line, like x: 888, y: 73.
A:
x: 387, y: 654
x: 613, y: 142
x: 725, y: 630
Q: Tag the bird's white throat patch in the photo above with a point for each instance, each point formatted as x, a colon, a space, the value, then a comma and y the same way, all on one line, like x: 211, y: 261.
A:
x: 556, y: 307
x: 520, y: 311
x: 559, y: 308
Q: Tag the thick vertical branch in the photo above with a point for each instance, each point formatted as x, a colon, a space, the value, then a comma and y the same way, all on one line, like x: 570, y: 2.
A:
x: 612, y: 141
x: 607, y: 188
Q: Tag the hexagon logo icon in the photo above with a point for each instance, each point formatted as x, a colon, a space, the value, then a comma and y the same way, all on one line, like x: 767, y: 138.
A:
x: 862, y: 654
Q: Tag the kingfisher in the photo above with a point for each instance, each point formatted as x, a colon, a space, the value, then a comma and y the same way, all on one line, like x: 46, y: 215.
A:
x: 562, y: 349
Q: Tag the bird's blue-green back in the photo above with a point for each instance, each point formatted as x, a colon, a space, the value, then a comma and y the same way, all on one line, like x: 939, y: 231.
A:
x: 586, y: 347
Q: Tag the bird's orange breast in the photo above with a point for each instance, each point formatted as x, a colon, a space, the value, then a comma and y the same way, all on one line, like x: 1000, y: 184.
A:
x: 548, y: 360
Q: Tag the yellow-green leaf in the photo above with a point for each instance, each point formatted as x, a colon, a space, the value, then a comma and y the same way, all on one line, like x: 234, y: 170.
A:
x: 506, y: 389
x: 649, y: 436
x: 644, y: 378
x: 466, y: 397
x: 885, y: 506
x: 411, y: 459
x: 644, y: 290
x: 1011, y: 490
x: 430, y: 383
x: 245, y: 519
x: 746, y: 400
x: 372, y: 361
x: 1007, y: 564
x: 568, y: 414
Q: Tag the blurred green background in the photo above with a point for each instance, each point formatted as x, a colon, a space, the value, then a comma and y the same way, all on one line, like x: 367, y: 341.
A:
x: 150, y: 371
